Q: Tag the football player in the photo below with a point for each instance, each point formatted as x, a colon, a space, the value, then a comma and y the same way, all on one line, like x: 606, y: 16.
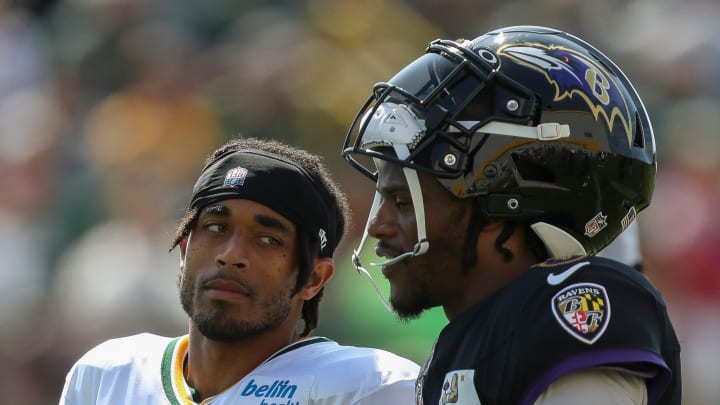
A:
x: 502, y: 165
x: 256, y: 247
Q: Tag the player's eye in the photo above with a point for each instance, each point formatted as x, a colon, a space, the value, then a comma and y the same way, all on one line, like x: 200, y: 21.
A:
x: 215, y: 227
x: 271, y: 240
x: 403, y: 202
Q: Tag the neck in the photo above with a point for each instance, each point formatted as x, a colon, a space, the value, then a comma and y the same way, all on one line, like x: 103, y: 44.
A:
x: 491, y: 272
x: 212, y: 366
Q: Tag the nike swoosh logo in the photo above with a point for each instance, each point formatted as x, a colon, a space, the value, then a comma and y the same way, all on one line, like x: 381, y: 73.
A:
x: 555, y: 279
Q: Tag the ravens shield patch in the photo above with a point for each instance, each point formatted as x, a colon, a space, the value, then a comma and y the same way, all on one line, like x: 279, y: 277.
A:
x: 583, y: 310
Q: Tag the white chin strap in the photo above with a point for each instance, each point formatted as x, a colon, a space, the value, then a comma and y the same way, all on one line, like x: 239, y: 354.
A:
x: 422, y: 245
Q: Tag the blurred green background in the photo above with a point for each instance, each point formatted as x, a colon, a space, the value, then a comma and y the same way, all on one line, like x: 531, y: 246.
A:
x: 108, y: 107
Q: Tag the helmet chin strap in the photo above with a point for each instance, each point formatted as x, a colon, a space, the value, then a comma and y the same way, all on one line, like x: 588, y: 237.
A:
x: 421, y: 246
x: 356, y: 254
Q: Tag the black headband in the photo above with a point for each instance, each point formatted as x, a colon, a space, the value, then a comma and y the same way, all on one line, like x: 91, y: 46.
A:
x: 276, y: 182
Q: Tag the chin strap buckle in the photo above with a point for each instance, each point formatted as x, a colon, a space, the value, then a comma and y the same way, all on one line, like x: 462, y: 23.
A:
x: 552, y: 130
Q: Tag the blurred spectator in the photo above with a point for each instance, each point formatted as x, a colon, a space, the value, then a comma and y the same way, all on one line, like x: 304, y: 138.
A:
x: 146, y: 141
x: 30, y: 125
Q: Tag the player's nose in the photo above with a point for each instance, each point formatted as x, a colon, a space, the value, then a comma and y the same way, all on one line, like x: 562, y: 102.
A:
x: 233, y: 252
x: 383, y: 224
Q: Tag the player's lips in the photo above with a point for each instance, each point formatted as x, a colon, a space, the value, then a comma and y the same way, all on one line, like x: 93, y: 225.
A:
x: 226, y: 288
x: 385, y: 251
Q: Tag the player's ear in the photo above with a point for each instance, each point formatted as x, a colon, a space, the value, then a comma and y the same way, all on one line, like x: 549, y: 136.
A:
x: 323, y: 270
x: 183, y: 249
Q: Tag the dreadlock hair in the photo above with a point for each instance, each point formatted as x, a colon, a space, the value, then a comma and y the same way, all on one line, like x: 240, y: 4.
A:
x: 308, y: 245
x: 478, y: 221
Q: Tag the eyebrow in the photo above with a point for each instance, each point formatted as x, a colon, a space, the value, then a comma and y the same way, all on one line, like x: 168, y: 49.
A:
x: 264, y: 220
x: 271, y: 222
x: 392, y: 188
x: 218, y: 210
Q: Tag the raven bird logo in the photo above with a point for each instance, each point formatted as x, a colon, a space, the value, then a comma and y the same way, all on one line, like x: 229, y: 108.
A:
x: 575, y: 74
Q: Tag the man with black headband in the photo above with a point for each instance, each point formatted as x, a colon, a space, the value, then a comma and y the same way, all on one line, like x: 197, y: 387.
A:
x: 502, y: 166
x: 256, y: 247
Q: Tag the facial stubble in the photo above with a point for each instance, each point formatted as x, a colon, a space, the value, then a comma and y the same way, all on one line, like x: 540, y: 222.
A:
x: 223, y: 322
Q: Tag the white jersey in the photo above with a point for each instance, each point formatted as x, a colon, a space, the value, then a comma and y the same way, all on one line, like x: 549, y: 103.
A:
x: 146, y: 369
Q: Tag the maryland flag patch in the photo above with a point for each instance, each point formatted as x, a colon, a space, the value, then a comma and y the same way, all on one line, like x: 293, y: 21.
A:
x: 583, y: 310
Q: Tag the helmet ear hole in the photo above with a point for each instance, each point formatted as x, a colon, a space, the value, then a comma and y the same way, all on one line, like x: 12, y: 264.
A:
x: 532, y: 171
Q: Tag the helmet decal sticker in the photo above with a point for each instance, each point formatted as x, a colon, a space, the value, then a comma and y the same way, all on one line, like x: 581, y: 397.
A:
x: 575, y: 74
x: 583, y: 310
x: 628, y: 218
x: 595, y: 225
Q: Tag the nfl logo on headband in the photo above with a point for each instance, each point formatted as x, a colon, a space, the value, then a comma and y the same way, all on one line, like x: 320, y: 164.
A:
x: 235, y: 177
